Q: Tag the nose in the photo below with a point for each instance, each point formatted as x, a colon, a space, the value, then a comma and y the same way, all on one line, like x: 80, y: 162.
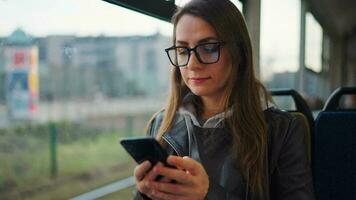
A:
x: 193, y: 63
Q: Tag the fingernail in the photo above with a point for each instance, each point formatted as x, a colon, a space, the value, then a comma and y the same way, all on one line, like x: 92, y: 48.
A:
x: 156, y: 169
x: 172, y: 159
x: 147, y: 163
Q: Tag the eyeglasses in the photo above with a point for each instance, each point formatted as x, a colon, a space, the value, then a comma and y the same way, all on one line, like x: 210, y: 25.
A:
x: 206, y: 53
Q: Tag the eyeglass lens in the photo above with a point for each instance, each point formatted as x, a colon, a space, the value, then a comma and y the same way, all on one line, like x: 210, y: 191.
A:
x: 206, y: 53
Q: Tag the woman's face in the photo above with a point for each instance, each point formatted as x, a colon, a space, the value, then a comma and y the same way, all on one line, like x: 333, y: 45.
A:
x: 205, y: 80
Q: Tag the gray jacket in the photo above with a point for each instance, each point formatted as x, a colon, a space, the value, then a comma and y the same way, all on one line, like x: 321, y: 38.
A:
x: 288, y: 171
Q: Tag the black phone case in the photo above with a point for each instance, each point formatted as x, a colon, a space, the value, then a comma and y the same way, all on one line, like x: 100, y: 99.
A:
x: 145, y: 148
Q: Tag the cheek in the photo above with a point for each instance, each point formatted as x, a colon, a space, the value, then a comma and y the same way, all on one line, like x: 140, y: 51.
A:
x: 224, y: 71
x: 183, y: 73
x: 224, y: 76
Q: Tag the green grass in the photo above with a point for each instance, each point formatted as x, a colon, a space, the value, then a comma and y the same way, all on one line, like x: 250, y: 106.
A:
x: 83, y: 165
x: 79, y: 186
x: 89, y: 155
x: 22, y: 159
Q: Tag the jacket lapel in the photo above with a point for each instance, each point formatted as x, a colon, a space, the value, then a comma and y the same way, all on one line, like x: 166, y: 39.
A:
x: 177, y: 137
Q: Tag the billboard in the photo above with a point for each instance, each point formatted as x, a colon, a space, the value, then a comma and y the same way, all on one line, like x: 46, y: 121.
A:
x: 21, y: 65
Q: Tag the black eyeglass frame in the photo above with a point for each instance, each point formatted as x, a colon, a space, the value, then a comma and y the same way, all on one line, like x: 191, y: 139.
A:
x: 194, y: 49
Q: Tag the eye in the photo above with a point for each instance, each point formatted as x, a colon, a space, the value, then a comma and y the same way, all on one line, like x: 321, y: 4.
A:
x: 182, y: 51
x: 210, y: 48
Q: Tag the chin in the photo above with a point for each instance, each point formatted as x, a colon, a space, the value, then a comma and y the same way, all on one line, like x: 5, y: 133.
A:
x: 200, y: 92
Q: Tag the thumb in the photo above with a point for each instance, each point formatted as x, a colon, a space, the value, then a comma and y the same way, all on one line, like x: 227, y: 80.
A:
x: 191, y: 165
x: 185, y: 163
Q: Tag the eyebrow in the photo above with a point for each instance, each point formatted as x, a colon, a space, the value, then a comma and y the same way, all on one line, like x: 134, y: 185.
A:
x: 208, y: 39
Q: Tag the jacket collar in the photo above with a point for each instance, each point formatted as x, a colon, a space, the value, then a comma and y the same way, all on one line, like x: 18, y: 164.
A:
x: 177, y: 137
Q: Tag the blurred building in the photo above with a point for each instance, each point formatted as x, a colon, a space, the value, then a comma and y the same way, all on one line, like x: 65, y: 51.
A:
x: 82, y: 67
x: 109, y: 66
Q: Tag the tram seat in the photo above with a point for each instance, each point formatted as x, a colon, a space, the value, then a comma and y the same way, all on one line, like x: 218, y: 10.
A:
x: 335, y: 150
x: 302, y: 111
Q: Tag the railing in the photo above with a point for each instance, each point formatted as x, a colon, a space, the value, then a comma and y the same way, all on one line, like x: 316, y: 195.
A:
x: 107, y: 189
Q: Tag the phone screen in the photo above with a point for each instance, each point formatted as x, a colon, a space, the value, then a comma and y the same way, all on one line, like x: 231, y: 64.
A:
x: 144, y: 148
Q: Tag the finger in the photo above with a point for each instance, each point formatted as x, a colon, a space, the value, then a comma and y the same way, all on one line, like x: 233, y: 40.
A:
x: 141, y: 170
x: 185, y: 163
x: 152, y: 197
x: 143, y: 186
x: 170, y: 162
x: 152, y: 175
x: 171, y: 188
x: 163, y: 196
x: 165, y: 180
x: 174, y: 174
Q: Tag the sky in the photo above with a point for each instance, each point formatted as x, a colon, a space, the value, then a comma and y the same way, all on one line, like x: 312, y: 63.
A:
x: 79, y: 17
x: 279, y: 24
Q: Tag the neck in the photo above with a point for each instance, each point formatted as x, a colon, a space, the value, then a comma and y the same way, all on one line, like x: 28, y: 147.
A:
x: 211, y: 107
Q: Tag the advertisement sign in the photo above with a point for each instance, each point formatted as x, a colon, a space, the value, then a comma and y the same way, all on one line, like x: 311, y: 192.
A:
x: 17, y: 58
x: 18, y: 95
x: 21, y: 64
x: 33, y: 81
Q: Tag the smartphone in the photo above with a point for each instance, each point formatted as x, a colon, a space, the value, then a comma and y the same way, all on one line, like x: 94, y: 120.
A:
x: 145, y: 148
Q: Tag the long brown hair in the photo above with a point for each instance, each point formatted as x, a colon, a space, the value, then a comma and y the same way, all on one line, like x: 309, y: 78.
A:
x: 244, y: 94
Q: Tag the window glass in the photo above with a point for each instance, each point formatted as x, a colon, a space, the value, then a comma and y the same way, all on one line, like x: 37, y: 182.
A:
x: 279, y: 52
x: 75, y: 77
x: 313, y: 44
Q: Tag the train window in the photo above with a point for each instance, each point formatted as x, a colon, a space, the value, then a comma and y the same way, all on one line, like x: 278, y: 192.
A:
x: 279, y: 52
x: 75, y: 76
x: 313, y: 44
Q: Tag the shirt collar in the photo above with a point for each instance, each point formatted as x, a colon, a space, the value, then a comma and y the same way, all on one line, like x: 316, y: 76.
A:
x: 189, y: 109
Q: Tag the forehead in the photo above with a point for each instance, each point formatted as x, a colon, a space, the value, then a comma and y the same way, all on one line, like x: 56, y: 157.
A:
x: 192, y: 29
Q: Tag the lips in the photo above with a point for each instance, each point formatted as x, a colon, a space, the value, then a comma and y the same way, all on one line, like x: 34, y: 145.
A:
x: 199, y: 79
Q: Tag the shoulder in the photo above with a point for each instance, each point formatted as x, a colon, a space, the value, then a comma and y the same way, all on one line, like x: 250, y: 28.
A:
x: 286, y: 135
x: 288, y: 166
x: 281, y: 123
x: 157, y: 119
x: 272, y: 114
x: 154, y: 123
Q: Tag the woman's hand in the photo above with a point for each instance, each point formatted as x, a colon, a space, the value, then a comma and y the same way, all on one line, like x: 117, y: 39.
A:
x: 191, y: 180
x: 143, y: 175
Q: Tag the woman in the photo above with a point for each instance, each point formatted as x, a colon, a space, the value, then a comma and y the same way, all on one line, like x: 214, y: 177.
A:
x: 224, y: 141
